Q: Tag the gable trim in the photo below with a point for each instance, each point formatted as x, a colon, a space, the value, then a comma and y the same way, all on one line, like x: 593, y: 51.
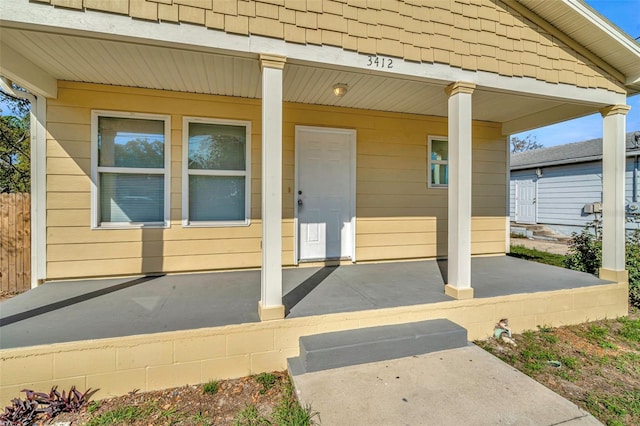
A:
x: 536, y: 19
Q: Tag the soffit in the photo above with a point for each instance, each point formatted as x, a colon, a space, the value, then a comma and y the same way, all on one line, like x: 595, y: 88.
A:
x: 74, y: 58
x: 587, y: 27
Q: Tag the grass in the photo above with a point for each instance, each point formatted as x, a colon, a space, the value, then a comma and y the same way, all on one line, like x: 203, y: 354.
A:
x: 267, y: 380
x: 630, y: 329
x: 211, y: 387
x: 288, y: 412
x: 615, y: 407
x: 259, y: 400
x: 601, y: 360
x: 534, y: 255
x: 117, y: 416
x: 249, y: 416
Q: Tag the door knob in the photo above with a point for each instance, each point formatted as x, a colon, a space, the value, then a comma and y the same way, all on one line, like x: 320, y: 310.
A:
x: 299, y: 202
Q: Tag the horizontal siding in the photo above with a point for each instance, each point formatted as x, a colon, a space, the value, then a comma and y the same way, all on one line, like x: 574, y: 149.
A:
x: 398, y: 216
x: 564, y: 190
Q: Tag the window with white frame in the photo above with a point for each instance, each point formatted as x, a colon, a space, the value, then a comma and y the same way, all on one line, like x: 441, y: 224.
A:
x: 216, y: 180
x: 130, y: 169
x: 438, y: 162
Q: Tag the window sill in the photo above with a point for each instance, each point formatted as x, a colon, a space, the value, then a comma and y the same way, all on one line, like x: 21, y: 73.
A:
x: 216, y: 224
x: 153, y: 225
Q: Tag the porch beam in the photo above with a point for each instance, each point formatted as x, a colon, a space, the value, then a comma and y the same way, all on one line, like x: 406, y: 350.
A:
x: 270, y: 306
x: 613, y: 203
x: 459, y: 211
x: 14, y: 66
x: 549, y: 116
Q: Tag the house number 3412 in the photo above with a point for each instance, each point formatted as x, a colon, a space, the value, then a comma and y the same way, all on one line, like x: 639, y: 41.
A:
x: 379, y: 62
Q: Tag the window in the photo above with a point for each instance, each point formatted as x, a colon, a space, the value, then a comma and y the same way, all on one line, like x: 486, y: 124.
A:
x: 438, y: 159
x: 216, y: 180
x: 130, y: 160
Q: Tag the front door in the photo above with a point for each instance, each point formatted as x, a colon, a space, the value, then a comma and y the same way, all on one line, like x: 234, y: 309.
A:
x: 325, y: 193
x: 526, y: 193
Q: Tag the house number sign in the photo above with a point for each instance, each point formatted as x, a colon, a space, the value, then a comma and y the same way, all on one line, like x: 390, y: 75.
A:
x: 379, y: 62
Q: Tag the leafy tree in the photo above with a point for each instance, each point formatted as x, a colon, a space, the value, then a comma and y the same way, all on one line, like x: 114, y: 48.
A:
x: 15, y: 163
x: 527, y: 143
x: 140, y: 152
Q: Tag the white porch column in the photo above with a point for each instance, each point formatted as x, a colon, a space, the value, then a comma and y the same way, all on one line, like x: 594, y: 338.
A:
x: 38, y: 155
x: 613, y: 204
x: 270, y: 305
x: 459, y: 251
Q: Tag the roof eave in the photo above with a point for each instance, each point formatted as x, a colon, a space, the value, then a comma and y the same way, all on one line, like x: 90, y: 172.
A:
x: 568, y: 161
x: 620, y: 40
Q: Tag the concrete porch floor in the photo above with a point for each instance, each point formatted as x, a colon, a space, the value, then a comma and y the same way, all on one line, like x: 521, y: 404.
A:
x: 69, y: 311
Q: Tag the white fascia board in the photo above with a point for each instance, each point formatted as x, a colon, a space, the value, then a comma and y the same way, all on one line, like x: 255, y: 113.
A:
x: 21, y: 14
x: 619, y: 37
x: 595, y: 19
x: 633, y: 80
x: 25, y: 73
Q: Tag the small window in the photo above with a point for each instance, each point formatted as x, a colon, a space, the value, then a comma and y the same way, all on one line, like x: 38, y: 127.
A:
x: 216, y: 177
x: 438, y: 162
x: 130, y: 163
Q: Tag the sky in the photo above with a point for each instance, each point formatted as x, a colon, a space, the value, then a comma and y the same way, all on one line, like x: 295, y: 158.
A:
x: 626, y: 15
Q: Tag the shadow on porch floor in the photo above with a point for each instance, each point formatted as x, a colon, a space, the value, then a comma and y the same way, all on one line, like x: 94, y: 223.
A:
x: 92, y: 309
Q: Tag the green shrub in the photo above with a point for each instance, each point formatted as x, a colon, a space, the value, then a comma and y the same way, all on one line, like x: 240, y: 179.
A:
x: 633, y: 266
x: 585, y: 254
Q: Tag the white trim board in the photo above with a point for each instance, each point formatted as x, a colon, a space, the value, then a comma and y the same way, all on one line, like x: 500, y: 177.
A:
x: 186, y: 120
x: 95, y: 181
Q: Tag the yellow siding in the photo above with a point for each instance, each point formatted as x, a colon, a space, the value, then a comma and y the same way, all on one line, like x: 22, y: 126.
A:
x: 398, y: 216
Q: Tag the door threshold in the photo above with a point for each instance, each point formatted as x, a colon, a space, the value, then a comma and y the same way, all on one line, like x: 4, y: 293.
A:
x: 326, y: 262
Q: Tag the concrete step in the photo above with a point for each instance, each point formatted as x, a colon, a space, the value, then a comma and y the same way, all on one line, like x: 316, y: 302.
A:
x: 339, y: 349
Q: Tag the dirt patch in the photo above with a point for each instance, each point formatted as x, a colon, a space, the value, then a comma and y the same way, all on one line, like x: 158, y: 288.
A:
x: 596, y: 365
x: 555, y: 247
x: 6, y: 295
x: 249, y: 400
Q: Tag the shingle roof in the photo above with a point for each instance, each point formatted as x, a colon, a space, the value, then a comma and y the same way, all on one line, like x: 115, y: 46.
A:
x: 576, y: 152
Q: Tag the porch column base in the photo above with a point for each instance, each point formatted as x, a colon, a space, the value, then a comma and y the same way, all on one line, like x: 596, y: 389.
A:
x: 458, y: 293
x: 611, y: 275
x: 270, y: 313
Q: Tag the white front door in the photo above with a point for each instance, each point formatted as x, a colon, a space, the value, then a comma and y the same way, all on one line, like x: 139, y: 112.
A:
x: 325, y: 197
x: 526, y: 194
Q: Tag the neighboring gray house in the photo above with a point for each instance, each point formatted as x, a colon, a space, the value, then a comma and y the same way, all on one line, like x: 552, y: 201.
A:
x: 558, y: 186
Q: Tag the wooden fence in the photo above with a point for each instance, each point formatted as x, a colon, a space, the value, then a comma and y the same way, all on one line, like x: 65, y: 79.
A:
x: 15, y: 242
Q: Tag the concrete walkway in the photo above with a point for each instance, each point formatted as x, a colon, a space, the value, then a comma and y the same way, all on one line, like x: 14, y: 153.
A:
x: 465, y: 386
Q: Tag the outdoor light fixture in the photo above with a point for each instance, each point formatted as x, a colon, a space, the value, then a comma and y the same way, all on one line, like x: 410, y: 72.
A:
x: 340, y: 89
x: 539, y: 172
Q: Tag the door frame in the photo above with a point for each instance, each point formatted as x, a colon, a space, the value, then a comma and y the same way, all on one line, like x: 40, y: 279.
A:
x: 533, y: 179
x: 352, y: 185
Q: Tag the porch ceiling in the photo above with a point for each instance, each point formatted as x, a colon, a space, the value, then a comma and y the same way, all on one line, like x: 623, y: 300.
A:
x: 92, y: 60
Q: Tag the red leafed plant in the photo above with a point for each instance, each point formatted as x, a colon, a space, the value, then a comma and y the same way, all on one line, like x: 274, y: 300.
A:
x: 23, y: 412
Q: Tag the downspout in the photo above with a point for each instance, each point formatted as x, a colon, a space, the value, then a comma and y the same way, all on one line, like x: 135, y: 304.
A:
x: 636, y: 145
x: 507, y: 237
x: 37, y: 120
x: 635, y: 179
